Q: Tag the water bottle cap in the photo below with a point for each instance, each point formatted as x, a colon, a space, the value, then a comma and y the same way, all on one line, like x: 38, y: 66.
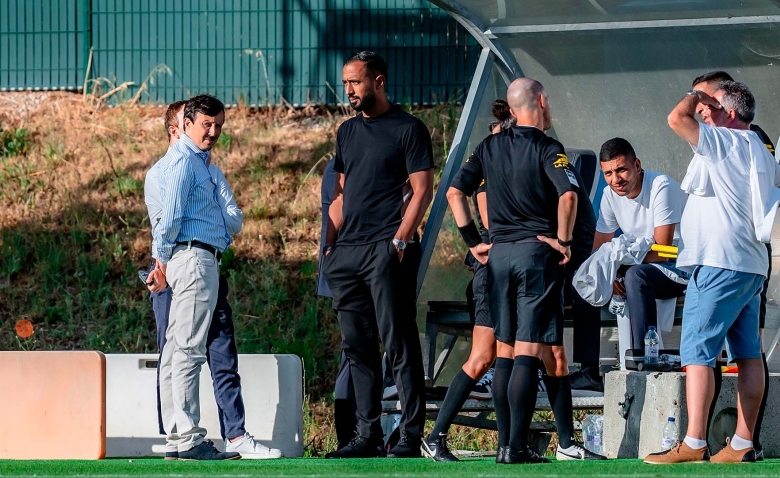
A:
x: 670, y: 419
x: 652, y: 327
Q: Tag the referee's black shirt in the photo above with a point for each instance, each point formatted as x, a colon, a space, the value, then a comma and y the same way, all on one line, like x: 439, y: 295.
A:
x: 376, y: 156
x: 525, y: 172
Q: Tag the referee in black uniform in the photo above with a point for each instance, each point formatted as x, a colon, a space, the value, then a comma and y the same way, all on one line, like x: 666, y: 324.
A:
x: 532, y: 192
x: 372, y: 253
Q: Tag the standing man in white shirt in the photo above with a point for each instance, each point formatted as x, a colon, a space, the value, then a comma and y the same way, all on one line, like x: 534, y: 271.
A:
x: 645, y: 204
x: 221, y: 352
x: 720, y: 243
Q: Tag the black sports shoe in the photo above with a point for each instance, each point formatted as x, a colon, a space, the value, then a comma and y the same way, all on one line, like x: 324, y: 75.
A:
x: 206, y: 451
x: 171, y: 455
x: 406, y: 448
x: 359, y: 447
x: 512, y: 456
x: 585, y: 381
x: 501, y: 454
x: 483, y: 390
x: 759, y: 453
x: 437, y: 449
x: 576, y: 452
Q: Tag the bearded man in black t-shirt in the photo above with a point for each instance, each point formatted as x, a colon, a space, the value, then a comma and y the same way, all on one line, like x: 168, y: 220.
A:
x: 372, y: 253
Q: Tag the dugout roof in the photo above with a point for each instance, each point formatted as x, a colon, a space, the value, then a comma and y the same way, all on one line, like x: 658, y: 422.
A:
x: 611, y: 68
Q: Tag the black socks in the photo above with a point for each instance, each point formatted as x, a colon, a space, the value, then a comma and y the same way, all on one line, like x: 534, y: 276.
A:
x: 501, y: 375
x: 559, y: 393
x: 522, y: 398
x: 457, y: 393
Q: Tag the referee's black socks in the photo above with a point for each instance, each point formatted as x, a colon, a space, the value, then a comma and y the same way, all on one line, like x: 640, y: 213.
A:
x: 457, y: 393
x: 522, y: 399
x: 559, y: 393
x: 501, y: 375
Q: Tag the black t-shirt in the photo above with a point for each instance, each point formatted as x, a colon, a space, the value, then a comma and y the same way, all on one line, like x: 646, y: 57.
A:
x: 376, y: 156
x: 525, y: 171
x: 585, y: 222
x: 764, y: 137
x: 478, y: 216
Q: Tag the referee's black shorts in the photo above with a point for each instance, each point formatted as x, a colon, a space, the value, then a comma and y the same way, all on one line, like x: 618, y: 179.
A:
x: 525, y: 292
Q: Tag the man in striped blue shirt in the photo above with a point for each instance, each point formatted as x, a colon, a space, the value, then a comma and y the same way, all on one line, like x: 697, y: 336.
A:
x: 189, y: 238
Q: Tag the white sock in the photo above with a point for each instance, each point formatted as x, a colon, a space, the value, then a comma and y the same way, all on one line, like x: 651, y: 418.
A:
x: 695, y: 443
x: 738, y: 443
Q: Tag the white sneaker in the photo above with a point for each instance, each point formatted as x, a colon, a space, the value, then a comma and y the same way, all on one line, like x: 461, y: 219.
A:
x: 576, y: 452
x: 249, y: 449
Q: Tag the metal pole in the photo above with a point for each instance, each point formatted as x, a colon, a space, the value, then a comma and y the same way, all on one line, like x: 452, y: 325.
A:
x: 457, y: 151
x: 85, y: 18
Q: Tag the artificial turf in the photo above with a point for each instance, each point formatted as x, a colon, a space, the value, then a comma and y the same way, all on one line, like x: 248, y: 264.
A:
x: 311, y: 467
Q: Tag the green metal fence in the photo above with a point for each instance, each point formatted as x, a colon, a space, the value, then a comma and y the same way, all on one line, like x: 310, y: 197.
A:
x: 255, y: 51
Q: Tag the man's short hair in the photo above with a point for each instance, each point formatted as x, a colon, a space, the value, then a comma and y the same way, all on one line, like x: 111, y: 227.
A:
x: 738, y: 98
x: 616, y: 147
x: 204, y: 104
x: 712, y: 77
x: 374, y: 63
x: 170, y: 115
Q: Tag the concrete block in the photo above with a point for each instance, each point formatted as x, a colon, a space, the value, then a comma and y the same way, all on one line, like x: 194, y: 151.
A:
x: 272, y: 388
x: 52, y: 405
x: 658, y: 396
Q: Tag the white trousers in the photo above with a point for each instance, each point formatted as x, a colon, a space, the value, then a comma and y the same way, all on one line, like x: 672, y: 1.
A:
x: 193, y: 275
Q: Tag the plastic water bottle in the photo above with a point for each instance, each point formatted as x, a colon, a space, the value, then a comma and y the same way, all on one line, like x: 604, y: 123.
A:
x: 598, y: 434
x: 651, y: 346
x: 587, y: 431
x: 669, y: 435
x: 617, y: 305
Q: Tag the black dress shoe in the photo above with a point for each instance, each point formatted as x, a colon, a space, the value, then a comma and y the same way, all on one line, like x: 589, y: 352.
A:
x: 437, y: 449
x: 512, y: 456
x: 206, y: 452
x: 584, y: 381
x: 359, y: 447
x: 500, y: 454
x: 406, y: 448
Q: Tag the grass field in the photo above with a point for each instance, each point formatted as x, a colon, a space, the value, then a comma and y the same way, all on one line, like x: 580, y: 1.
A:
x: 305, y: 467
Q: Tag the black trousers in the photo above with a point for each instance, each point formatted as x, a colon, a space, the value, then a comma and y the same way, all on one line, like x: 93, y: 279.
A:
x: 374, y: 295
x: 587, y: 318
x: 221, y: 355
x: 644, y: 284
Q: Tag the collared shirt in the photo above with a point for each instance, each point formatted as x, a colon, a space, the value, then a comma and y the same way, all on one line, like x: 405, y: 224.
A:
x: 233, y: 215
x: 190, y: 208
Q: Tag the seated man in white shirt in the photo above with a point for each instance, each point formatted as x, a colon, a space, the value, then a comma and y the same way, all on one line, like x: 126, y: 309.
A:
x: 645, y: 204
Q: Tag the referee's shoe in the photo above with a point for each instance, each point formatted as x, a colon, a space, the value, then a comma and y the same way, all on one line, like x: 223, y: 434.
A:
x: 436, y: 448
x: 576, y: 452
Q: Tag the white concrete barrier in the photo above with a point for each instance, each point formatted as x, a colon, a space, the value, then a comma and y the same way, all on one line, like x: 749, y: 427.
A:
x: 658, y: 396
x: 271, y: 385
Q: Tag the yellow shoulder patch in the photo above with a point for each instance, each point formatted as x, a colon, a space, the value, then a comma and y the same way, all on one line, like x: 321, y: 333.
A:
x: 562, y: 161
x: 482, y: 183
x: 770, y: 148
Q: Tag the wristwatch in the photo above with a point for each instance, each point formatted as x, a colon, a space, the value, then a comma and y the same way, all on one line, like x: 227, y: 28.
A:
x: 693, y: 93
x: 565, y: 243
x: 399, y: 244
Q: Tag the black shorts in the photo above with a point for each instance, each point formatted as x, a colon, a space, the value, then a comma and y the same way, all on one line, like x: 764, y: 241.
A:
x: 525, y: 292
x: 762, y: 307
x: 479, y: 290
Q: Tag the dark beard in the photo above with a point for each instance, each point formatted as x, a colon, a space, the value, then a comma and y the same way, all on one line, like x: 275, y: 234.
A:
x: 366, y: 103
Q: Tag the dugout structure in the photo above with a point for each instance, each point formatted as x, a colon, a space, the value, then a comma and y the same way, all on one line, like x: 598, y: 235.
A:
x: 611, y: 68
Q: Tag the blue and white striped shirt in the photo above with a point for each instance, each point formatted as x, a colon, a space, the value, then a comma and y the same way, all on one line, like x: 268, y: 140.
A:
x: 190, y: 208
x: 233, y: 215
